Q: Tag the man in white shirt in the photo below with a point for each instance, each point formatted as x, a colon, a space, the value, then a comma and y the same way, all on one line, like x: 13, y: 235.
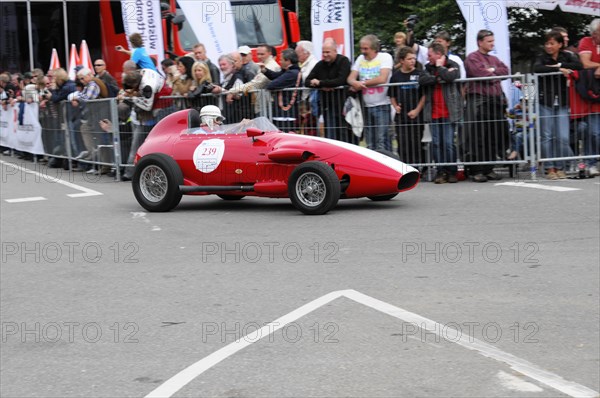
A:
x: 370, y: 70
x: 307, y: 61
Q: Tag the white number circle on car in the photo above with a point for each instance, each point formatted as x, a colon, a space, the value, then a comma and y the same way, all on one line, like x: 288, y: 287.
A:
x: 208, y: 155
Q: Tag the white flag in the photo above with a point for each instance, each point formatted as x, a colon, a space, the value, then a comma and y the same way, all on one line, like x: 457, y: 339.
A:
x: 332, y: 18
x: 213, y: 23
x: 144, y: 17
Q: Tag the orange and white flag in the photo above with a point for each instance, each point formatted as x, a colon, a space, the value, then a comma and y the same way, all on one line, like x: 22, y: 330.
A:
x: 85, y: 58
x: 73, y: 61
x: 54, y: 61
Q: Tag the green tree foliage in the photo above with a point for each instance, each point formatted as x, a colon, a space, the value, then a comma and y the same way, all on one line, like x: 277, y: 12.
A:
x: 385, y: 17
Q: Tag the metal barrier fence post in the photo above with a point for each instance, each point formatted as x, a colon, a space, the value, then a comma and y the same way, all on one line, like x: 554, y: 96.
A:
x: 534, y: 124
x: 67, y: 131
x: 116, y: 137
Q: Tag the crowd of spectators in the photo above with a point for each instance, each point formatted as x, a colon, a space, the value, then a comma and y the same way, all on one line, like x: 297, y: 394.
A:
x: 414, y: 88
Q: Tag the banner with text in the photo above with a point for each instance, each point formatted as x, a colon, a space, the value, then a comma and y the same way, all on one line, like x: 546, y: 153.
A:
x: 213, y: 23
x: 332, y: 18
x: 20, y: 128
x: 144, y: 18
x: 587, y: 7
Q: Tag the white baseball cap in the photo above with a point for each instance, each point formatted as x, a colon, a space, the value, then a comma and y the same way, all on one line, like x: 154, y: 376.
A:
x: 244, y: 50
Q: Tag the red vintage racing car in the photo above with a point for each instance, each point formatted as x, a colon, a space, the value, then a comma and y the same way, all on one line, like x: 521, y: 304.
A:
x: 253, y: 158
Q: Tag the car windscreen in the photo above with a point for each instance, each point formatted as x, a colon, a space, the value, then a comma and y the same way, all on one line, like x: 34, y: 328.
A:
x: 261, y: 123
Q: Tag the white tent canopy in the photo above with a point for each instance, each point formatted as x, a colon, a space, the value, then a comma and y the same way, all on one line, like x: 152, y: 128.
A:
x: 588, y: 7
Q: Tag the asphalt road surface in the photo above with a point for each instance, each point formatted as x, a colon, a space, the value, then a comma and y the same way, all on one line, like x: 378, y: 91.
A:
x: 482, y: 290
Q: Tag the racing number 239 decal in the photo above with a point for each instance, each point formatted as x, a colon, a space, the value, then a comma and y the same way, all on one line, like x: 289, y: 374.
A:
x: 208, y: 155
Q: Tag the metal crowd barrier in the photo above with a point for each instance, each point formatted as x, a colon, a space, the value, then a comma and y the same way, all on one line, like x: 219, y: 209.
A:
x: 568, y: 136
x: 517, y: 127
x: 73, y: 135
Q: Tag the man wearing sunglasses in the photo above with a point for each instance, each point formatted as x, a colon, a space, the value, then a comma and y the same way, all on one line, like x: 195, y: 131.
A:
x: 106, y: 77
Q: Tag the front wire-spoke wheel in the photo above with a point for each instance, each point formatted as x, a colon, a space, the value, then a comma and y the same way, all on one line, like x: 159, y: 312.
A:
x: 153, y: 183
x: 156, y: 182
x: 314, y: 188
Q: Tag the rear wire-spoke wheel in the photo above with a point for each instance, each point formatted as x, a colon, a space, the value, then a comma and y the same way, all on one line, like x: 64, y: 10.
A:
x: 156, y: 182
x: 314, y: 188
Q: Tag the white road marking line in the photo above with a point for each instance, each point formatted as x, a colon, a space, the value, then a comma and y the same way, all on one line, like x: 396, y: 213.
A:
x: 86, y: 191
x: 516, y: 383
x: 140, y: 215
x: 175, y: 383
x: 21, y: 200
x: 537, y: 186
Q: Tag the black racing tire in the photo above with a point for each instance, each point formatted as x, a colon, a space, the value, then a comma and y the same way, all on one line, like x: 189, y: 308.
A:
x: 156, y: 182
x: 314, y: 188
x: 231, y: 197
x: 383, y: 198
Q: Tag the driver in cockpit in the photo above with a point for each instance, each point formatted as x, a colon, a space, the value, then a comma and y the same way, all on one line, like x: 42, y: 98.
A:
x: 210, y: 120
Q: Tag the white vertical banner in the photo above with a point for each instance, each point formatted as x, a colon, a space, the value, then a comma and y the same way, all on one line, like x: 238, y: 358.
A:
x: 144, y: 18
x: 332, y: 18
x: 29, y: 133
x: 493, y: 16
x: 8, y: 126
x: 213, y: 23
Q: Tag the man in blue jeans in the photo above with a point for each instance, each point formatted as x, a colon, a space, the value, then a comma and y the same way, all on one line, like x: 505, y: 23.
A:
x: 329, y: 73
x: 443, y: 109
x: 371, y: 69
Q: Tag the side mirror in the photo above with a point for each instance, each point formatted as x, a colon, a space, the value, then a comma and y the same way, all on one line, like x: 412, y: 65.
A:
x: 178, y: 21
x: 254, y: 132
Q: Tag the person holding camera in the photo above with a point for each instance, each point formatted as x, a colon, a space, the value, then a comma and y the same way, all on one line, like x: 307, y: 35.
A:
x: 8, y: 91
x: 202, y: 86
x: 199, y: 51
x: 402, y: 39
x: 169, y: 71
x: 143, y: 90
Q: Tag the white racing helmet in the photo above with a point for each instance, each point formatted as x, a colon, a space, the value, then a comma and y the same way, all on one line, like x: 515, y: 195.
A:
x: 210, y: 115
